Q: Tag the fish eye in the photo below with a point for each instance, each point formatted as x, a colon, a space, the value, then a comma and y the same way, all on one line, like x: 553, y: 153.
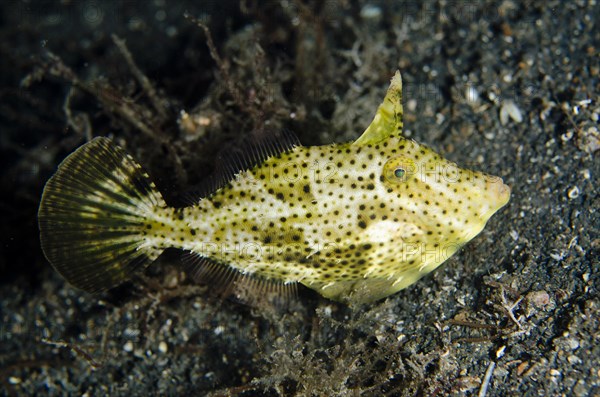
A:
x: 399, y: 173
x: 398, y: 170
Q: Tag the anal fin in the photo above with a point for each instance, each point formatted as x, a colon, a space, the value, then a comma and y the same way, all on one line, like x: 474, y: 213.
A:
x: 228, y: 282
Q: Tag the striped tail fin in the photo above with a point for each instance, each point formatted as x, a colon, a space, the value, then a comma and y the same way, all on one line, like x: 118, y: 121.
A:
x: 93, y: 215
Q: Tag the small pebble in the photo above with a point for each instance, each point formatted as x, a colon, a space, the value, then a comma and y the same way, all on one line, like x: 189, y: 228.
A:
x: 128, y: 347
x: 510, y: 110
x: 573, y: 359
x: 585, y: 277
x: 163, y: 347
x: 370, y: 11
x: 573, y: 193
x: 471, y: 94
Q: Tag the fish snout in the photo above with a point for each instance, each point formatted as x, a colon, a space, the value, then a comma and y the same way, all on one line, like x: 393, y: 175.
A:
x: 498, y: 191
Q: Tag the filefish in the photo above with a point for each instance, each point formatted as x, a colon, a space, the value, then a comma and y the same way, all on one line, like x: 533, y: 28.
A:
x: 355, y: 222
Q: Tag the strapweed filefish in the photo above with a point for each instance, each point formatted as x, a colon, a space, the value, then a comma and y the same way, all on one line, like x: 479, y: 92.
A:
x: 355, y: 222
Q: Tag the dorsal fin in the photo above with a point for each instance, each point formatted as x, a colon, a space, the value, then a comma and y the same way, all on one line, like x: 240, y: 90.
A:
x: 388, y: 120
x: 232, y: 161
x: 250, y: 289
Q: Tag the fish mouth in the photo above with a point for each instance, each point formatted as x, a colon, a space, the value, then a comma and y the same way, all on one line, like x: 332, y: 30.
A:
x: 498, y: 196
x: 503, y: 193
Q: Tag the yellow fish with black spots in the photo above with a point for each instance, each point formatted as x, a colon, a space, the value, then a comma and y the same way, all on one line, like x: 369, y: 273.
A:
x: 355, y: 222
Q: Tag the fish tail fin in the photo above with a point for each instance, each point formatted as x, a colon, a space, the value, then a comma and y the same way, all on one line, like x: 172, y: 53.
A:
x: 93, y: 216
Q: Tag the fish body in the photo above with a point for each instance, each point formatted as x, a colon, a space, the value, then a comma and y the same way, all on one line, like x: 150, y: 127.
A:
x: 356, y: 221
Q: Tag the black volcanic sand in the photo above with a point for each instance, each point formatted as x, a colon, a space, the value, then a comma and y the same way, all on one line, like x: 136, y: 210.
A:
x: 508, y: 87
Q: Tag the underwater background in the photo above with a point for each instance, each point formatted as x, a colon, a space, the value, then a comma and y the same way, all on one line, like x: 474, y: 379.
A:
x: 506, y: 87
